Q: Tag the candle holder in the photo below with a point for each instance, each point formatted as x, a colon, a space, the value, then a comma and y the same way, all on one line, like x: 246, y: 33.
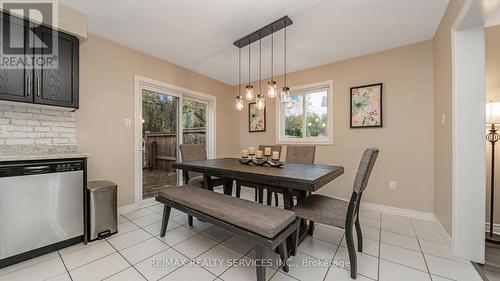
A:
x: 245, y: 160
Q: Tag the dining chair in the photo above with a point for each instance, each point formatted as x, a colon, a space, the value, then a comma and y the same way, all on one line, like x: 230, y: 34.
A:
x: 341, y: 213
x: 193, y: 152
x: 301, y: 154
x: 259, y: 189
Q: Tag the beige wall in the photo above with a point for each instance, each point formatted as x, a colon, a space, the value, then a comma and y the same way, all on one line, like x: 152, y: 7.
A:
x: 492, y: 93
x: 107, y: 97
x: 443, y: 105
x: 405, y: 141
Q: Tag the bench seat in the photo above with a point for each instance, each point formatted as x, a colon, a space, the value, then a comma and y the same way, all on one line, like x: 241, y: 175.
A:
x: 261, y: 219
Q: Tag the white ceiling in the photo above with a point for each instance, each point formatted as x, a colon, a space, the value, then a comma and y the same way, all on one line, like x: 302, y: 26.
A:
x: 198, y: 34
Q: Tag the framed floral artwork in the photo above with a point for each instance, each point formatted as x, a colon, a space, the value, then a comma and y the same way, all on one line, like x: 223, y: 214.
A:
x: 366, y: 106
x: 256, y: 118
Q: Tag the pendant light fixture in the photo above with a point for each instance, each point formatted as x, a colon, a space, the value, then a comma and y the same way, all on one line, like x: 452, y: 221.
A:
x: 249, y: 88
x: 239, y: 98
x: 285, y: 91
x: 260, y: 102
x: 271, y: 85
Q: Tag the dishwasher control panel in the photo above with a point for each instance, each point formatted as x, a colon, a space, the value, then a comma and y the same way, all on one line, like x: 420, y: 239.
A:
x: 68, y: 167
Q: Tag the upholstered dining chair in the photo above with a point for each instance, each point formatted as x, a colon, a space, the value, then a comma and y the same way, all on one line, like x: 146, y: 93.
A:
x: 259, y: 189
x: 192, y: 152
x: 301, y: 154
x: 340, y: 213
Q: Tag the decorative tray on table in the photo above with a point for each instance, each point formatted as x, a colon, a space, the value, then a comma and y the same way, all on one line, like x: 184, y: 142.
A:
x: 261, y: 162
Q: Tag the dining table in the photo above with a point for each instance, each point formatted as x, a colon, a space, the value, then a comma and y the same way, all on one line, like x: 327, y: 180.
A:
x: 291, y: 179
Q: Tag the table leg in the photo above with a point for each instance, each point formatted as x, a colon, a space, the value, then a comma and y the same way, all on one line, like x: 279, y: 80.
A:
x: 185, y: 176
x: 228, y: 186
x: 208, y: 182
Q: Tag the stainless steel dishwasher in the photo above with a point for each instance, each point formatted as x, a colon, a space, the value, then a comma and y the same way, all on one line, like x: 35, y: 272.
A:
x: 41, y: 206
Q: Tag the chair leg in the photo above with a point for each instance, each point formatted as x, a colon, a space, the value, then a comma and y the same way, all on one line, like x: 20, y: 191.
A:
x: 238, y: 190
x: 311, y: 228
x: 269, y: 197
x: 256, y: 195
x: 276, y: 203
x: 352, y: 251
x: 261, y: 269
x: 283, y: 255
x: 359, y: 235
x: 261, y: 195
x: 190, y: 221
x: 295, y: 240
x: 164, y: 223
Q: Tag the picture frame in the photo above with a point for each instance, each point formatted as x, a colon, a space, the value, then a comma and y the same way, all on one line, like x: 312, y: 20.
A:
x: 256, y: 118
x: 366, y: 106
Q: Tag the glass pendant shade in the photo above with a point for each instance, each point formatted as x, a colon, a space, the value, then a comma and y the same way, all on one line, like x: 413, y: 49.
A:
x: 271, y: 89
x: 239, y: 103
x: 492, y: 113
x: 249, y: 92
x: 285, y: 94
x: 260, y: 102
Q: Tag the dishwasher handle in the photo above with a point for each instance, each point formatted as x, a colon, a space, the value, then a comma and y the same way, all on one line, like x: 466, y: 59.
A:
x: 35, y: 170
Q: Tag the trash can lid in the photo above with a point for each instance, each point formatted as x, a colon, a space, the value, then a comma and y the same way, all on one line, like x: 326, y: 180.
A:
x: 93, y: 185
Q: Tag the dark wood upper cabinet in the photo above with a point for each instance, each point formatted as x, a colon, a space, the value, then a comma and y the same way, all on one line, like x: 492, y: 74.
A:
x: 15, y: 79
x: 47, y: 84
x: 58, y: 85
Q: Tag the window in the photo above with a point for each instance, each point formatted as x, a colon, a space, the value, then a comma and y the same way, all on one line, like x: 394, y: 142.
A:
x: 308, y: 116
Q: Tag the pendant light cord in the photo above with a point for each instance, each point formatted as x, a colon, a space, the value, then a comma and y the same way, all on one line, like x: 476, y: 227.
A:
x: 249, y: 63
x: 285, y: 54
x: 239, y: 72
x: 272, y: 55
x: 260, y: 66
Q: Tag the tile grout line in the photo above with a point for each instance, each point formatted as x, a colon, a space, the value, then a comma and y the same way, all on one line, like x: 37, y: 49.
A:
x: 421, y: 251
x: 62, y: 260
x: 127, y: 262
x: 379, y: 245
x: 333, y: 258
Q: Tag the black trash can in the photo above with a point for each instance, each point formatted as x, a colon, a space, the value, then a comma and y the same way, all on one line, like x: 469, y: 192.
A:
x: 103, y: 217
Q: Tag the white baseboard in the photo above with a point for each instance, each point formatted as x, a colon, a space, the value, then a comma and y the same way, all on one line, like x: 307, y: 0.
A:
x: 133, y: 206
x: 496, y: 228
x: 446, y: 237
x: 397, y: 211
x: 127, y: 208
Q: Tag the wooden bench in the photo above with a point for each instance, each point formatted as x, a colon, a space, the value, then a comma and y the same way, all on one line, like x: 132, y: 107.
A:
x: 268, y: 227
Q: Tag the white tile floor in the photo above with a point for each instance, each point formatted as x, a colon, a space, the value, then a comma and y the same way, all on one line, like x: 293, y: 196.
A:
x: 395, y: 249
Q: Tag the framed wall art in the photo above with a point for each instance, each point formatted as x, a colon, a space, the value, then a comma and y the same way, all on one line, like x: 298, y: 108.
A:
x: 366, y: 106
x: 256, y: 118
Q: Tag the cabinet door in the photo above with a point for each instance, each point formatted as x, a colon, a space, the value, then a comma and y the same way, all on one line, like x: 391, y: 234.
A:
x: 16, y: 80
x: 58, y: 85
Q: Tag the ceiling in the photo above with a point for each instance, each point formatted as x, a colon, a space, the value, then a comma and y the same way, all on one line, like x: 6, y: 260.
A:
x: 198, y: 34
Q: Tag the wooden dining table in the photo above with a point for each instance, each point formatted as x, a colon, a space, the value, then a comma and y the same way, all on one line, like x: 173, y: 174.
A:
x: 290, y: 180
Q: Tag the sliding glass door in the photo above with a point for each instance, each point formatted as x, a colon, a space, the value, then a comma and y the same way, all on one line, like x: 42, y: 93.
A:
x: 160, y: 134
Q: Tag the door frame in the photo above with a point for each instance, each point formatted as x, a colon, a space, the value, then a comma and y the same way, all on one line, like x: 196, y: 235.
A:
x: 140, y: 83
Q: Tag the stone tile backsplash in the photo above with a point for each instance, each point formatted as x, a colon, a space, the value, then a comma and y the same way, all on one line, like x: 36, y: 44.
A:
x: 20, y: 125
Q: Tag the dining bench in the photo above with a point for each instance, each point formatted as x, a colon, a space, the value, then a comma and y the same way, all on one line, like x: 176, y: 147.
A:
x: 267, y: 227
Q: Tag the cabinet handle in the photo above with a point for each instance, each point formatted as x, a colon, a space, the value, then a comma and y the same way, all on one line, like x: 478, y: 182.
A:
x: 38, y: 86
x: 29, y: 85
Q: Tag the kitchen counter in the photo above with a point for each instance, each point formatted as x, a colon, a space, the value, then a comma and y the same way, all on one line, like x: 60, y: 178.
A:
x: 39, y: 152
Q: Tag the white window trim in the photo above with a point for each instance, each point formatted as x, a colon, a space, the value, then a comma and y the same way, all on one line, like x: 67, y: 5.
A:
x: 280, y: 139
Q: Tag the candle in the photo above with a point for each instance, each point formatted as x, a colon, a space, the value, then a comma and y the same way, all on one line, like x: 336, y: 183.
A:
x: 267, y: 151
x: 259, y: 154
x: 244, y: 153
x: 251, y: 150
x: 276, y: 155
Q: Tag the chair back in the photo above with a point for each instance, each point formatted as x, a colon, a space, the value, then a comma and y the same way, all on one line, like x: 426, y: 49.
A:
x: 365, y: 169
x: 192, y: 152
x: 275, y: 147
x: 301, y: 154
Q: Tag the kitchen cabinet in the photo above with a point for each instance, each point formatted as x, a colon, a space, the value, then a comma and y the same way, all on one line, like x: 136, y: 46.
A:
x: 56, y: 86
